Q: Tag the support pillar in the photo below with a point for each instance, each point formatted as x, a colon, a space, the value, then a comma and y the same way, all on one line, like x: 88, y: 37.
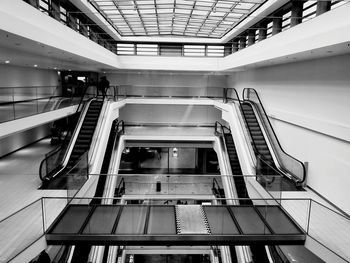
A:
x: 322, y: 7
x: 251, y: 37
x: 235, y: 46
x: 296, y: 13
x: 262, y: 31
x: 276, y: 25
x: 227, y: 49
x: 242, y: 42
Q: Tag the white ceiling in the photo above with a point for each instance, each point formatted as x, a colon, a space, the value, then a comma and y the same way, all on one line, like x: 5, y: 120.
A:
x: 21, y: 51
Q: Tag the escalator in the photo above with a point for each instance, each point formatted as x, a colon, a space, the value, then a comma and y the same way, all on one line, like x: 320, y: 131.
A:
x: 81, y: 146
x: 86, y: 133
x: 267, y: 166
x: 81, y: 252
x: 236, y: 169
x: 258, y: 251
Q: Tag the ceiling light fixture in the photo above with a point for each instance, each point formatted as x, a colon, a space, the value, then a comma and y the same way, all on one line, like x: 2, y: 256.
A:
x: 35, y: 65
x: 175, y: 152
x: 7, y: 61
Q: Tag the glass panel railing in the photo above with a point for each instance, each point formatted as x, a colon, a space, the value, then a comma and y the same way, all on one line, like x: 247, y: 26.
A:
x: 20, y: 230
x: 139, y: 91
x: 327, y: 227
x: 53, y: 160
x: 289, y: 164
x: 20, y: 102
x: 330, y: 228
x: 185, y: 184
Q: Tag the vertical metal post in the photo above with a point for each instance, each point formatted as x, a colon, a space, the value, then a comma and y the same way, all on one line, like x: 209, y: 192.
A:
x: 37, y: 100
x: 43, y: 214
x: 308, y: 218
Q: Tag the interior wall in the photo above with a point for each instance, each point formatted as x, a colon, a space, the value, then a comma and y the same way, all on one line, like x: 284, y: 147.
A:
x: 164, y: 114
x: 308, y: 105
x: 18, y: 140
x: 14, y: 76
x: 166, y: 83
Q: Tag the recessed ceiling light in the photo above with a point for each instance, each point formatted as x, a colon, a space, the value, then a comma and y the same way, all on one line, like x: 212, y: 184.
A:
x: 54, y: 68
x: 35, y: 65
x: 7, y: 61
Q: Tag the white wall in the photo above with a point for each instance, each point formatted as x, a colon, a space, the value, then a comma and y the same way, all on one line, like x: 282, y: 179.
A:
x: 309, y: 103
x: 167, y: 79
x: 163, y: 114
x: 13, y: 76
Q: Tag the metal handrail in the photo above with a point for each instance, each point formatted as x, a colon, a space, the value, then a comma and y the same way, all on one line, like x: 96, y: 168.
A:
x: 236, y: 99
x: 280, y: 154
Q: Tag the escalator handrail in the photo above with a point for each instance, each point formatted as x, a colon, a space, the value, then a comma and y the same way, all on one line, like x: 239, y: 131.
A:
x: 236, y: 99
x: 66, y: 146
x: 258, y: 155
x: 66, y: 140
x: 223, y: 127
x: 246, y: 98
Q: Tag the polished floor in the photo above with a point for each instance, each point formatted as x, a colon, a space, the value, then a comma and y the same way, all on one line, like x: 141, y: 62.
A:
x: 19, y: 178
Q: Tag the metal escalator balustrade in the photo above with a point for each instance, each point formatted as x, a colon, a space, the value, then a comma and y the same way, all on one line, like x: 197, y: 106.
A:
x: 234, y: 163
x: 258, y: 251
x: 261, y: 148
x: 80, y: 145
x: 290, y: 167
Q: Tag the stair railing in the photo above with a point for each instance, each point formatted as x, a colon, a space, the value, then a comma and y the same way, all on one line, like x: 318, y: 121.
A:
x: 289, y: 164
x: 54, y: 158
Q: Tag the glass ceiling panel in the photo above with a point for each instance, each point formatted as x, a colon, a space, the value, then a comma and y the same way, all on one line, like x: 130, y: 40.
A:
x: 205, y: 18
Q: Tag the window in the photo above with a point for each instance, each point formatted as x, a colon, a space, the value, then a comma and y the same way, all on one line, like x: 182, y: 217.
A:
x: 125, y: 49
x: 63, y: 15
x: 147, y: 49
x: 194, y: 50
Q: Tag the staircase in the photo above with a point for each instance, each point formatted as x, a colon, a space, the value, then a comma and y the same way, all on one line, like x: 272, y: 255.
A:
x: 267, y: 166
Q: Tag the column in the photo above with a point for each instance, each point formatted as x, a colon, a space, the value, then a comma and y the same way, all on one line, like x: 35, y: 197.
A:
x: 297, y: 13
x: 242, y: 41
x: 276, y: 25
x: 251, y: 37
x: 262, y: 31
x: 322, y: 7
x: 235, y: 45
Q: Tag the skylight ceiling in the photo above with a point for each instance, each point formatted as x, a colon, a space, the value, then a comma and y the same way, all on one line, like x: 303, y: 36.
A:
x: 185, y: 18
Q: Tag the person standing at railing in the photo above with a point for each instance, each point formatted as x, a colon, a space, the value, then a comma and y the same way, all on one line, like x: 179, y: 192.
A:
x: 103, y: 86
